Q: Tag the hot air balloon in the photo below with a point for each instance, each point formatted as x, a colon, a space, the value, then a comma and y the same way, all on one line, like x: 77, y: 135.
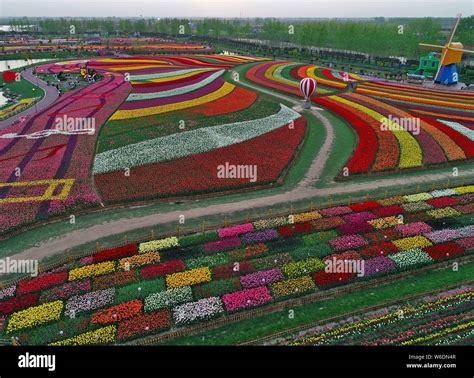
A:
x: 9, y: 76
x: 307, y: 88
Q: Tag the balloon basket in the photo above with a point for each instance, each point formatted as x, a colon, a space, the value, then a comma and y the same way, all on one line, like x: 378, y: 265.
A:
x: 307, y: 104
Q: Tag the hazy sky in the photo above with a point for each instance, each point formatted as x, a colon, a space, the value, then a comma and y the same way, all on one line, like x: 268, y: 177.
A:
x: 235, y: 8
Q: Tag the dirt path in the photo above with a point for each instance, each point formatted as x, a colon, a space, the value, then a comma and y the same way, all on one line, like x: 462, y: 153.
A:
x: 50, y: 95
x: 303, y: 190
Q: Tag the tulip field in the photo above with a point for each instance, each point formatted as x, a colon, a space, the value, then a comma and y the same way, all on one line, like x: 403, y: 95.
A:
x: 170, y: 121
x: 138, y: 290
x: 446, y: 124
x: 442, y: 319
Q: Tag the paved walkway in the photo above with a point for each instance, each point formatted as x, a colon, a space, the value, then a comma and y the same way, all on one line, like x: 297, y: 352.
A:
x: 51, y: 94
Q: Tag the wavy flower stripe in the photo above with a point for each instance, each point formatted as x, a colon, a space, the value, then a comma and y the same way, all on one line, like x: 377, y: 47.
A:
x: 34, y: 316
x: 168, y: 74
x: 105, y: 335
x: 190, y: 142
x: 410, y: 150
x: 203, y: 309
x: 459, y: 128
x: 180, y: 90
x: 92, y: 270
x: 224, y: 90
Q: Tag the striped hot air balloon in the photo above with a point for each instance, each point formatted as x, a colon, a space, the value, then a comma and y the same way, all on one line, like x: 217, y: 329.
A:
x: 307, y: 87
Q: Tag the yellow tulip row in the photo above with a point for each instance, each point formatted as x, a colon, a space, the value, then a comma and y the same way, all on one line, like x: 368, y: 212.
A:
x: 188, y: 277
x: 412, y: 243
x: 105, y: 335
x: 92, y: 270
x: 34, y: 316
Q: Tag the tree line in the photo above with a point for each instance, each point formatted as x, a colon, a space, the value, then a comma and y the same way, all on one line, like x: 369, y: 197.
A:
x: 397, y: 37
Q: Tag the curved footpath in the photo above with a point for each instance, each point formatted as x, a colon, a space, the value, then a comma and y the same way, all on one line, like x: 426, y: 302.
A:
x: 50, y: 95
x: 303, y: 190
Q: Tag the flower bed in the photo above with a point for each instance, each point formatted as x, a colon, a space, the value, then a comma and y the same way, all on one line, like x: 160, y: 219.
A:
x: 105, y: 335
x: 222, y: 245
x: 261, y: 278
x: 302, y: 267
x: 162, y: 269
x: 203, y: 309
x: 92, y: 270
x: 408, y: 259
x: 117, y: 313
x: 116, y: 279
x: 34, y: 316
x: 188, y: 277
x: 378, y: 265
x: 139, y: 260
x: 411, y: 243
x: 260, y: 236
x: 65, y: 291
x: 270, y: 223
x: 139, y: 290
x: 293, y: 286
x: 142, y: 325
x: 304, y: 217
x: 41, y: 282
x: 158, y: 245
x: 246, y: 298
x: 168, y: 298
x: 413, y: 228
x: 89, y: 301
x: 444, y: 251
x: 347, y: 242
x: 326, y: 280
x: 235, y: 230
x: 443, y: 213
x: 115, y: 253
x: 18, y: 303
x: 249, y: 251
